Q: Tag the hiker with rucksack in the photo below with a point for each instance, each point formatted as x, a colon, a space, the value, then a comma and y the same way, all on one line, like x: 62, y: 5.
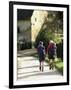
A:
x: 41, y: 54
x: 51, y: 51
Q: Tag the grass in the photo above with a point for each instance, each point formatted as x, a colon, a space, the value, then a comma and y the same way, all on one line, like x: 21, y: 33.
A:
x: 59, y: 65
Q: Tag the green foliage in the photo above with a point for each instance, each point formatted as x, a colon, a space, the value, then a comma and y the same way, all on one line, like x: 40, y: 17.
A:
x: 52, y: 29
x: 42, y: 36
x: 60, y: 50
x: 23, y: 45
x: 57, y: 38
x: 59, y: 65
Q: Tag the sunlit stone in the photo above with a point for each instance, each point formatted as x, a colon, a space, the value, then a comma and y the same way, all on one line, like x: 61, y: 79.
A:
x: 38, y: 18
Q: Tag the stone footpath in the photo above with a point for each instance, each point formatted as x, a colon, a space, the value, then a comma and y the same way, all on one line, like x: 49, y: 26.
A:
x: 28, y: 71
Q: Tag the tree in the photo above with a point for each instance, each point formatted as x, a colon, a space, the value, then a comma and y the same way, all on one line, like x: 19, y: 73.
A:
x: 52, y: 29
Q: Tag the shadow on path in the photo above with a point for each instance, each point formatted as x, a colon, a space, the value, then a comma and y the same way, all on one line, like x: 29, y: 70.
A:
x: 31, y: 67
x: 40, y: 74
x: 28, y: 59
x: 27, y: 72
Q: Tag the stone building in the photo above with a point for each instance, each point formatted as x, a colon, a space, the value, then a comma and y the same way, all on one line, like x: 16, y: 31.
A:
x: 38, y: 18
x: 23, y: 34
x: 25, y: 30
x: 29, y: 29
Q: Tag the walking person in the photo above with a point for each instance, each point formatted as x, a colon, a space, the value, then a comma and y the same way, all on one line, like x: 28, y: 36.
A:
x: 41, y: 54
x: 51, y: 50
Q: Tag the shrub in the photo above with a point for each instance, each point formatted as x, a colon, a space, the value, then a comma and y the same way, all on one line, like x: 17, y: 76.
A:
x: 60, y: 50
x: 24, y: 45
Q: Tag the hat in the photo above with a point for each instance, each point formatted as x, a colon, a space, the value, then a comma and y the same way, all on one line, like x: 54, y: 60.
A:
x: 41, y: 42
x: 51, y: 41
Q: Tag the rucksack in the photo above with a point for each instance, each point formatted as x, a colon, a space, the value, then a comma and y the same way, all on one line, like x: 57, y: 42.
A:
x: 52, y: 50
x: 41, y: 50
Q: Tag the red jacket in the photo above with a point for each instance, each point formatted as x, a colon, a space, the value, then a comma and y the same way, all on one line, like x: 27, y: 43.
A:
x: 49, y: 46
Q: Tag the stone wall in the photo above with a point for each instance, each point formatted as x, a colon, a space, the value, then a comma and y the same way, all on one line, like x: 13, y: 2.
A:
x: 37, y: 20
x: 25, y: 30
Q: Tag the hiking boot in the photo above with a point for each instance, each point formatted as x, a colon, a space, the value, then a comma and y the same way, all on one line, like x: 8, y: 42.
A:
x: 40, y: 68
x: 53, y: 68
x: 49, y: 68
